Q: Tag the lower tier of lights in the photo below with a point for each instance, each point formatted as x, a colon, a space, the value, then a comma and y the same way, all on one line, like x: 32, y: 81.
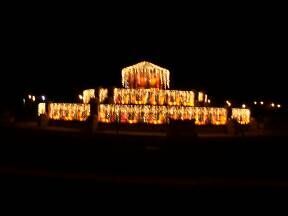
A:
x: 133, y: 114
x: 110, y: 113
x: 68, y: 111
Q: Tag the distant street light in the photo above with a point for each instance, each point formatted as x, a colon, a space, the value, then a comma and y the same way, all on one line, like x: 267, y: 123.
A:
x: 80, y: 97
x: 209, y: 101
x: 272, y: 105
x: 243, y: 106
x: 261, y: 102
x: 33, y: 98
x: 43, y: 98
x: 255, y: 102
x: 29, y: 96
x: 279, y: 105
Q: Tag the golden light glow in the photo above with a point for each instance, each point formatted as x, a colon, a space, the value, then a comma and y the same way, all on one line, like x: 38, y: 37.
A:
x: 200, y: 96
x: 228, y: 103
x: 261, y: 102
x: 209, y: 101
x: 29, y: 96
x: 103, y: 94
x: 272, y: 105
x: 244, y: 106
x: 255, y: 102
x: 80, y: 97
x: 145, y: 75
x: 109, y: 113
x: 242, y: 116
x: 153, y: 97
x: 88, y: 94
x: 41, y: 108
x: 279, y: 105
x: 68, y: 111
x: 33, y: 98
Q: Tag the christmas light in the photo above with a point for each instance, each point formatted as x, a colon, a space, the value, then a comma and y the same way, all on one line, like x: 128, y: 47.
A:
x: 103, y: 94
x: 41, y: 108
x: 145, y: 75
x: 131, y: 114
x: 242, y: 116
x: 68, y: 111
x: 88, y: 94
x: 153, y: 97
x: 200, y: 96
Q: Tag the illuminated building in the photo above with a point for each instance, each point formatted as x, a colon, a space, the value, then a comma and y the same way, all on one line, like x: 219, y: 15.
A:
x: 145, y: 97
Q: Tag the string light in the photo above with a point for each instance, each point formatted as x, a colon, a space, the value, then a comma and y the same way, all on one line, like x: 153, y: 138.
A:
x: 41, y: 108
x: 109, y: 113
x: 200, y: 96
x: 145, y: 75
x: 153, y: 97
x: 103, y: 94
x: 242, y: 116
x: 88, y: 94
x: 68, y: 111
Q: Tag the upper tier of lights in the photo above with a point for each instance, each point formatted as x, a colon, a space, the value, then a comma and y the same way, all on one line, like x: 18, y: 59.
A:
x: 145, y: 75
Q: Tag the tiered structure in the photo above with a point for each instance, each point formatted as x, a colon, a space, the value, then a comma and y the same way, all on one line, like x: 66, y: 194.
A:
x: 145, y: 97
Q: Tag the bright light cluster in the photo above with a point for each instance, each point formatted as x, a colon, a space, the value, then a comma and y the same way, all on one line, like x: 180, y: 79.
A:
x: 88, y: 95
x: 41, y: 108
x: 153, y: 97
x: 110, y: 113
x: 200, y: 96
x: 242, y: 116
x: 103, y: 94
x: 68, y: 111
x: 145, y: 75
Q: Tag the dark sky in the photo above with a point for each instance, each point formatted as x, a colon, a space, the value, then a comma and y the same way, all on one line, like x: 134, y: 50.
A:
x: 240, y: 54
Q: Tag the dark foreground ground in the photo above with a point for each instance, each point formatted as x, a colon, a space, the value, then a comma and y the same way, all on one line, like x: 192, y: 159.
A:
x: 57, y: 162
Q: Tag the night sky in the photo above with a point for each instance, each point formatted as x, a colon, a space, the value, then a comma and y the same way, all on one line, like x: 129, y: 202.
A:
x: 239, y: 55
